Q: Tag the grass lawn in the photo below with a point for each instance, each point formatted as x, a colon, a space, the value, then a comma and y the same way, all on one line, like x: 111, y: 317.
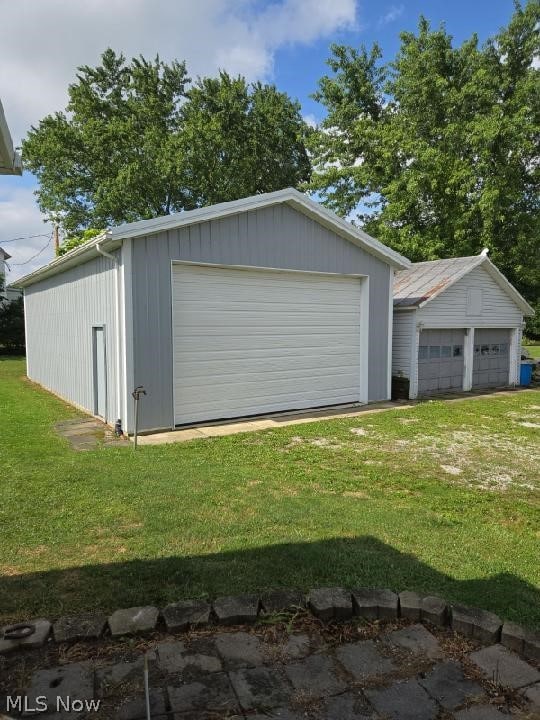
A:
x: 442, y: 498
x: 534, y: 350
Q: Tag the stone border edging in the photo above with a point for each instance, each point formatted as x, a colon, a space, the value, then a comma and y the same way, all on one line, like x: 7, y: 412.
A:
x: 326, y: 603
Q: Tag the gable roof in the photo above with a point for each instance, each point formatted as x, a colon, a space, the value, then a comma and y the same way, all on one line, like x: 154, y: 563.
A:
x: 112, y: 238
x: 422, y: 282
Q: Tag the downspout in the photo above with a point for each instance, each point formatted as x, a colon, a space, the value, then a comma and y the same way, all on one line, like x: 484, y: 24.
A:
x: 114, y: 259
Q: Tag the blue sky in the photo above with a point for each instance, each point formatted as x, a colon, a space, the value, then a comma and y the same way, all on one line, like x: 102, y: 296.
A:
x: 297, y: 68
x: 283, y: 41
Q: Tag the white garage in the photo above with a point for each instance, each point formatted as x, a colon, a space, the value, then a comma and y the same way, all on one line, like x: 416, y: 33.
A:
x: 457, y: 326
x: 265, y: 304
x: 247, y: 341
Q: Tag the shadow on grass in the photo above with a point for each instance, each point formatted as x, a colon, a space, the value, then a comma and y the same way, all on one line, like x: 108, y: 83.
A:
x: 348, y: 562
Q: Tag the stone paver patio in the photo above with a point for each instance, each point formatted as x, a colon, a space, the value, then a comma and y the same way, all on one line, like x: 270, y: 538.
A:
x: 300, y: 669
x: 88, y: 434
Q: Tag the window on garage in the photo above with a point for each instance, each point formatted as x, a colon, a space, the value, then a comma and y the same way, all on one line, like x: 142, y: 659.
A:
x: 491, y: 350
x: 444, y: 352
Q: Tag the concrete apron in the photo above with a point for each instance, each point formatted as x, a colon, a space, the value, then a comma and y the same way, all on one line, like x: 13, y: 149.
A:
x: 265, y: 423
x: 301, y: 417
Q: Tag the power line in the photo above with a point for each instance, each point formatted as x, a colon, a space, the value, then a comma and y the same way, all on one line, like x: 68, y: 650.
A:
x: 34, y: 256
x: 24, y: 237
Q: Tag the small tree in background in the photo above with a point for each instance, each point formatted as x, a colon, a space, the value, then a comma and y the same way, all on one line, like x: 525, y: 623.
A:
x: 73, y: 241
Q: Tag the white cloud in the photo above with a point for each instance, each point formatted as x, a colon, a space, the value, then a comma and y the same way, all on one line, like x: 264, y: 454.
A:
x: 20, y: 216
x: 42, y: 43
x: 310, y: 120
x: 393, y: 14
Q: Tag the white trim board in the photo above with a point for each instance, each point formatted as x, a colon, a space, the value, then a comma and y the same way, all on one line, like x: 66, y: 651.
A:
x: 390, y: 334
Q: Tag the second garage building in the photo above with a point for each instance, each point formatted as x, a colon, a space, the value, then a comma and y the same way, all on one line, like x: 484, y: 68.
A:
x: 457, y: 326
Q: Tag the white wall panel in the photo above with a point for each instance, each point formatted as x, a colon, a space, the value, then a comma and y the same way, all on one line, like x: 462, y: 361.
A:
x: 453, y: 308
x: 403, y: 330
x: 60, y: 313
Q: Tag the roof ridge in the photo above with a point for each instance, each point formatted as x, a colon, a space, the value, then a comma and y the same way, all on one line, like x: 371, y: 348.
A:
x: 444, y: 260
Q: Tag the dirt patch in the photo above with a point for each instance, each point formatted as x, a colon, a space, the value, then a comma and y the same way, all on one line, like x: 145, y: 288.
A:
x: 451, y: 469
x: 359, y: 431
x: 293, y: 442
x: 329, y: 444
x: 488, y: 460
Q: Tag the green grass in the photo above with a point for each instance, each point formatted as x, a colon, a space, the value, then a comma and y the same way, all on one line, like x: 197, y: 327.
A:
x: 442, y: 498
x: 534, y: 350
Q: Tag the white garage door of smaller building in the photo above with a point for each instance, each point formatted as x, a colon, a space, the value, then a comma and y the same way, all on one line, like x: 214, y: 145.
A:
x: 247, y: 342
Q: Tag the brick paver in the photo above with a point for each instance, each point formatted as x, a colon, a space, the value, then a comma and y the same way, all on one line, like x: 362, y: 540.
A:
x: 401, y: 671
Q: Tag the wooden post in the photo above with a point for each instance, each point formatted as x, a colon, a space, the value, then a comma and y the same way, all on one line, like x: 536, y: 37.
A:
x: 468, y: 359
x: 515, y: 355
x: 56, y: 239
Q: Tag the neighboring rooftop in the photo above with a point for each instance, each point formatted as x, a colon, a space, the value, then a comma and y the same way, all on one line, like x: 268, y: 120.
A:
x: 10, y: 161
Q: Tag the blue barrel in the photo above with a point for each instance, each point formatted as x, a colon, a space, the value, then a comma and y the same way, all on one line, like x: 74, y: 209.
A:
x: 525, y: 373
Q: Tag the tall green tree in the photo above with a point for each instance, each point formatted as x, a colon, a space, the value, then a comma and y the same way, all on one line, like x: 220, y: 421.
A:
x: 108, y: 158
x: 238, y: 140
x: 137, y: 140
x: 437, y: 152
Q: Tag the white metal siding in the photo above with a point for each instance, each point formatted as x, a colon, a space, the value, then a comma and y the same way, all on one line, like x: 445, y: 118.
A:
x: 402, y: 335
x: 273, y: 237
x: 450, y: 308
x: 256, y: 341
x: 60, y: 313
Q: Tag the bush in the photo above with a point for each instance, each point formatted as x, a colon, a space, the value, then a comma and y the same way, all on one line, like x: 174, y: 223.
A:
x: 12, y: 340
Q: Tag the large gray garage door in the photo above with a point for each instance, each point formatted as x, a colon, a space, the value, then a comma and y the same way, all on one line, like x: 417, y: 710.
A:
x: 491, y: 366
x: 440, y: 361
